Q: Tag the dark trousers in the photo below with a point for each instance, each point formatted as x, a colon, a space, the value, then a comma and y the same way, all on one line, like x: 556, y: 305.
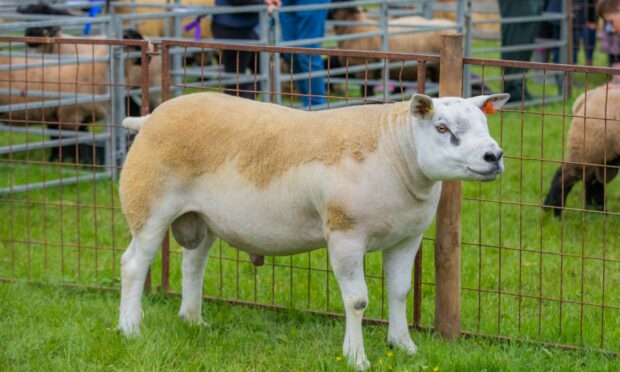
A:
x: 237, y: 62
x: 517, y: 34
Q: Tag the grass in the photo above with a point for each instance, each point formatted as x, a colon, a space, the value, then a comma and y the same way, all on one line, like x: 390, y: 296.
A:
x: 525, y: 274
x: 73, y: 329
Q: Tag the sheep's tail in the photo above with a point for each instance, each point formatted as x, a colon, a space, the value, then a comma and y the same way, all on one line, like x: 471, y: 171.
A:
x: 135, y: 123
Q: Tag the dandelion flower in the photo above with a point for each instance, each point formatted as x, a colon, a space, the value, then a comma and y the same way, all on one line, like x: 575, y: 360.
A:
x: 390, y: 354
x: 435, y: 369
x: 338, y: 358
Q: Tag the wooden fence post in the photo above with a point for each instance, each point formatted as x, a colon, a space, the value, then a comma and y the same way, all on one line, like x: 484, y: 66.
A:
x: 448, y: 231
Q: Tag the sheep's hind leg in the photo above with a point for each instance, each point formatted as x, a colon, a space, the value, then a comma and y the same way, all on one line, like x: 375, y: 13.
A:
x: 595, y: 194
x: 346, y: 254
x: 194, y: 262
x: 135, y: 263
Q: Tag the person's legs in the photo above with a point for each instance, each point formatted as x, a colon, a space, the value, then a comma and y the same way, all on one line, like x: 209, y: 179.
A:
x: 589, y: 41
x: 236, y: 62
x: 517, y: 34
x: 308, y: 25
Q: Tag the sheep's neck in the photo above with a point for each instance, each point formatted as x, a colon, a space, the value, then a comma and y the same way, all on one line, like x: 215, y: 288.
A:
x: 404, y: 155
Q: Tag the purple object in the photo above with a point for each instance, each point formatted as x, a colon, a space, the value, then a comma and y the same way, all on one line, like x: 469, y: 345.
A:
x: 195, y: 24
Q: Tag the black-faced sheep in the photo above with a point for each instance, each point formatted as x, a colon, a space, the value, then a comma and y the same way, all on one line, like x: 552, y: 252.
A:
x: 593, y: 149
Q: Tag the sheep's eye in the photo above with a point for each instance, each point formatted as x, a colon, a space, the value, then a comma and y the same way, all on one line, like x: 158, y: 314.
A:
x: 442, y: 128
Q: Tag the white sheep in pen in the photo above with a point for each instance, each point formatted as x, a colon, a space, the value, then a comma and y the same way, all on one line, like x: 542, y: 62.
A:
x: 274, y: 181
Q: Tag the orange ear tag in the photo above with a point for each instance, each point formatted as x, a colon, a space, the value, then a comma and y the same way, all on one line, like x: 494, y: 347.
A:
x: 488, y: 108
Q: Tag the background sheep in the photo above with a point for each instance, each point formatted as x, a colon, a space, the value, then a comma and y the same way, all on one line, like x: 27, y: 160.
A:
x: 78, y: 79
x: 592, y: 140
x: 419, y: 42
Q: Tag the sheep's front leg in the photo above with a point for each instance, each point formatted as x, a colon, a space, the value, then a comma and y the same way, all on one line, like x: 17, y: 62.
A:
x: 563, y: 181
x: 397, y: 264
x: 346, y: 254
x: 194, y: 262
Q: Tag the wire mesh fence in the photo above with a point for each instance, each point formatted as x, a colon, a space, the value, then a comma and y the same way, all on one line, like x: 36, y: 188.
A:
x: 539, y: 255
x: 535, y: 267
x: 61, y: 149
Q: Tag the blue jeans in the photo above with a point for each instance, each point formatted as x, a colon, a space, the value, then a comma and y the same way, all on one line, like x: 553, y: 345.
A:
x: 588, y: 37
x: 305, y: 25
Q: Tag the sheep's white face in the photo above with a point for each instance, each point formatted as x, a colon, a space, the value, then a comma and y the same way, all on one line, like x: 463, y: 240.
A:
x: 452, y: 138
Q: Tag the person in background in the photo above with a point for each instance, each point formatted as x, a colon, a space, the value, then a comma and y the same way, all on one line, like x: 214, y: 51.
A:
x: 584, y: 29
x: 307, y: 24
x: 549, y: 31
x: 610, y: 44
x: 609, y: 10
x: 518, y: 34
x: 238, y: 26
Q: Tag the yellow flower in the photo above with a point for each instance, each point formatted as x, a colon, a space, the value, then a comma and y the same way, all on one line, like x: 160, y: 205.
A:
x: 390, y: 354
x: 389, y: 366
x: 435, y: 369
x: 338, y: 358
x: 380, y: 361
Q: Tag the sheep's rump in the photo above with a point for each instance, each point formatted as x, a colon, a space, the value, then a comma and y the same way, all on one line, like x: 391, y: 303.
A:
x: 595, y: 139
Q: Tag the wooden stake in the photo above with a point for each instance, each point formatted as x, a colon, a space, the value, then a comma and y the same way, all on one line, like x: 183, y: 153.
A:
x: 448, y: 231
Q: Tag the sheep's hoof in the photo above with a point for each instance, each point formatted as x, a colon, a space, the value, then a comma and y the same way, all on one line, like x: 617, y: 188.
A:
x: 360, y: 365
x: 405, y: 345
x: 130, y: 331
x: 557, y: 210
x: 192, y: 320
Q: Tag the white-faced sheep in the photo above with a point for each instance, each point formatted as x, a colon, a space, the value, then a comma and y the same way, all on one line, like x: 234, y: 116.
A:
x: 272, y: 180
x: 593, y: 149
x: 419, y: 42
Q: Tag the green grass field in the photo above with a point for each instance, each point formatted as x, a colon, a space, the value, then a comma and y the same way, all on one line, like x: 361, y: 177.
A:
x: 525, y: 275
x: 52, y: 328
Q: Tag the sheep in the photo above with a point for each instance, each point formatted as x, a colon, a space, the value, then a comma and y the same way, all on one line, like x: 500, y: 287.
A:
x: 593, y: 142
x: 272, y: 180
x: 419, y: 42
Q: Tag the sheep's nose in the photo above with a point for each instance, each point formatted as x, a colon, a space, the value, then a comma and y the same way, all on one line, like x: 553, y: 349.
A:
x: 493, y: 157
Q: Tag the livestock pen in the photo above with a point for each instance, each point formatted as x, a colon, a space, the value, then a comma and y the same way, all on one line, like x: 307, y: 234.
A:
x: 525, y: 274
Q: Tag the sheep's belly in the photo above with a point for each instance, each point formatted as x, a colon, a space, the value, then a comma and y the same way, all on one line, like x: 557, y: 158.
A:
x: 277, y: 220
x: 267, y: 231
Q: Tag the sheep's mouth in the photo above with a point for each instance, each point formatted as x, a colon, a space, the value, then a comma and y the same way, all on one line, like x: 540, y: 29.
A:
x: 487, y: 175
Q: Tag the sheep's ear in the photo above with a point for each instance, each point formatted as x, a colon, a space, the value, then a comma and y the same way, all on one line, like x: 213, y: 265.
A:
x: 421, y: 106
x: 488, y: 104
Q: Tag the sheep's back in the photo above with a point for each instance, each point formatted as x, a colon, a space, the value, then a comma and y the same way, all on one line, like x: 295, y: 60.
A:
x: 197, y: 133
